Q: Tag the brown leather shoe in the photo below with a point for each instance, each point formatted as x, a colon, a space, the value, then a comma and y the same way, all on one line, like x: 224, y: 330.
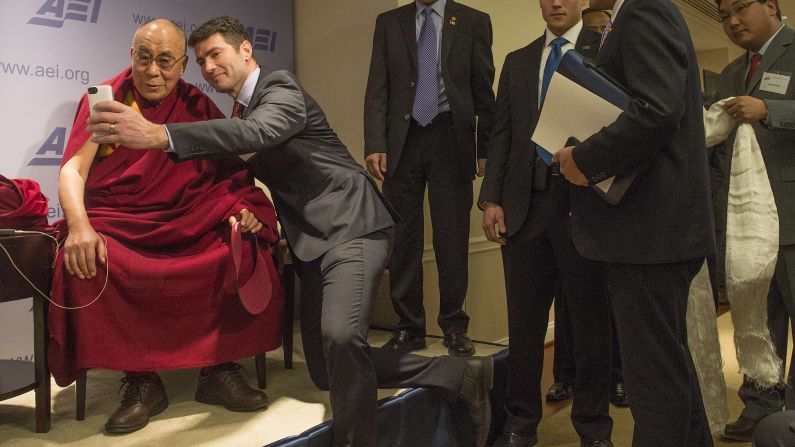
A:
x: 144, y: 397
x: 226, y: 385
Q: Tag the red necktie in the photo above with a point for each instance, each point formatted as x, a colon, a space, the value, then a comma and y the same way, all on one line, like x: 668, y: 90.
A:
x: 752, y: 69
x: 237, y: 110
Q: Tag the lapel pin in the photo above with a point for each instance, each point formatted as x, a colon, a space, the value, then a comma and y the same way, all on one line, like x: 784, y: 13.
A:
x: 452, y: 20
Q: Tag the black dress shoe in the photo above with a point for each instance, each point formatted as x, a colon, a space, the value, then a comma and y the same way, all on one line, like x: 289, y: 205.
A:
x: 618, y: 395
x: 511, y: 439
x: 741, y: 430
x: 474, y: 393
x: 405, y: 340
x: 559, y: 392
x: 459, y: 344
x: 599, y: 443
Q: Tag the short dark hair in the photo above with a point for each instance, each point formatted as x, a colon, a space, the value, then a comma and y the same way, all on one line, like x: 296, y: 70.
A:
x: 590, y: 10
x: 778, y: 8
x: 230, y: 28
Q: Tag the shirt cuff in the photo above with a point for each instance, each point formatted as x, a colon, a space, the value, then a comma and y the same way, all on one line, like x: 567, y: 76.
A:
x: 170, y: 141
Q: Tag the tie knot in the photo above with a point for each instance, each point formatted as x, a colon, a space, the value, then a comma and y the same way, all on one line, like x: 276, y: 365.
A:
x: 427, y: 11
x: 237, y: 109
x: 756, y: 57
x: 559, y: 42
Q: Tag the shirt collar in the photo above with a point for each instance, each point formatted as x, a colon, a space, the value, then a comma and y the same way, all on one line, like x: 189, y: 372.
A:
x: 247, y: 91
x: 570, y: 35
x: 438, y: 7
x: 767, y: 44
x: 616, y: 7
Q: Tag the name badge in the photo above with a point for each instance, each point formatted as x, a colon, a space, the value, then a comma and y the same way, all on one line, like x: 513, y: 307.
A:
x: 774, y: 83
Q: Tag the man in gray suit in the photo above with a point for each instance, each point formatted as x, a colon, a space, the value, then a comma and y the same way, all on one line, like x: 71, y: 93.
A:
x: 337, y: 224
x: 427, y: 120
x: 770, y: 108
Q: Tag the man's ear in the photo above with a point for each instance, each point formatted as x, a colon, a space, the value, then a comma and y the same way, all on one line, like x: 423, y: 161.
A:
x: 185, y: 62
x: 246, y: 49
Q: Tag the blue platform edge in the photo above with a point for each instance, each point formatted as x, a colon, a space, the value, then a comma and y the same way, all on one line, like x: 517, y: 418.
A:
x: 418, y: 417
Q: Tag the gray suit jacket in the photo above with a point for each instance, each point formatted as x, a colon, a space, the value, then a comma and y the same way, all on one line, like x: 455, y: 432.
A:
x: 776, y: 135
x: 467, y: 70
x: 509, y: 172
x: 322, y: 196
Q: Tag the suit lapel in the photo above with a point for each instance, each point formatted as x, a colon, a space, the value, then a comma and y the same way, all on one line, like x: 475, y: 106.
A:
x: 449, y: 26
x: 408, y: 24
x: 531, y: 65
x: 258, y: 92
x: 777, y: 47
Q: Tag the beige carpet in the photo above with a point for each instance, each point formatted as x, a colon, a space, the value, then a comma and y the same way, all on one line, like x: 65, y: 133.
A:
x: 296, y: 405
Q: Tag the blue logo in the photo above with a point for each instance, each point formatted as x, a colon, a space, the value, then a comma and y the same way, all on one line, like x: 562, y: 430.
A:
x: 262, y: 39
x: 50, y: 153
x: 54, y: 12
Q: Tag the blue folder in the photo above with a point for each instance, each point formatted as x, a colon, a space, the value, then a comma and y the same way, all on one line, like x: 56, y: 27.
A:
x: 586, y: 74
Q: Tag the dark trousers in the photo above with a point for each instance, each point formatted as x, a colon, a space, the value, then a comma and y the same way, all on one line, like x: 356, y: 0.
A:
x: 534, y: 259
x: 649, y: 304
x: 760, y: 402
x: 564, y: 366
x: 337, y: 292
x: 430, y: 156
x: 776, y: 430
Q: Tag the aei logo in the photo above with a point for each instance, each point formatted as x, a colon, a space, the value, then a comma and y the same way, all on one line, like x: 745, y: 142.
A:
x: 262, y: 39
x: 50, y: 153
x: 54, y: 12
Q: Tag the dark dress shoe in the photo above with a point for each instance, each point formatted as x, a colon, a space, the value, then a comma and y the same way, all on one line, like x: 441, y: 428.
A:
x: 559, y: 392
x: 741, y: 430
x: 599, y: 443
x: 404, y: 340
x: 459, y: 344
x: 226, y: 385
x: 618, y: 395
x: 511, y: 439
x: 474, y: 393
x: 144, y: 397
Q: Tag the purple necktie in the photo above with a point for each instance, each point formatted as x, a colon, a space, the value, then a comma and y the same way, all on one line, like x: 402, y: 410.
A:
x: 426, y: 99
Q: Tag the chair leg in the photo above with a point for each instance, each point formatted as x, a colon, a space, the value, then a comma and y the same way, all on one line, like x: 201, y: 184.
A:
x: 40, y: 336
x: 288, y: 280
x: 80, y: 396
x: 262, y: 373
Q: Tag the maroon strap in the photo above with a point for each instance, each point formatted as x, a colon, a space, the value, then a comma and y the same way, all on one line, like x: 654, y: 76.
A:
x: 256, y: 293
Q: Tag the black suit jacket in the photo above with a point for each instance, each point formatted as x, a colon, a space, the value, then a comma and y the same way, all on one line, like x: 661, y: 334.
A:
x: 509, y: 172
x: 666, y: 216
x: 467, y: 70
x: 322, y: 196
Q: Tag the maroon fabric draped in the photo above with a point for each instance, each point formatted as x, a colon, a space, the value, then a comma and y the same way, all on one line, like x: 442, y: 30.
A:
x: 22, y: 205
x: 171, y: 300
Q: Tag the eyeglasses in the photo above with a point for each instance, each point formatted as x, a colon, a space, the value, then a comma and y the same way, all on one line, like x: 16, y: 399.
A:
x: 162, y: 62
x: 737, y: 10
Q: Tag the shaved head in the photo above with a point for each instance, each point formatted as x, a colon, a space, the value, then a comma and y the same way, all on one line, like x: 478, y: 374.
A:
x: 166, y: 27
x: 158, y: 58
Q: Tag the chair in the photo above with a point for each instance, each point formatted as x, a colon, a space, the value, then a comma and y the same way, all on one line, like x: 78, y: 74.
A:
x: 286, y: 271
x: 33, y: 254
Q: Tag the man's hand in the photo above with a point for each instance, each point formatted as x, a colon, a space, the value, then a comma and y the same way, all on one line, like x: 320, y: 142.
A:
x: 82, y: 249
x: 746, y: 109
x: 376, y: 165
x: 123, y: 125
x: 494, y: 223
x: 248, y: 222
x: 481, y: 167
x: 568, y: 168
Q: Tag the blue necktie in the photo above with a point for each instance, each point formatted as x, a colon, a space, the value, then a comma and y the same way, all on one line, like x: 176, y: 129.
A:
x: 426, y: 99
x: 552, y: 64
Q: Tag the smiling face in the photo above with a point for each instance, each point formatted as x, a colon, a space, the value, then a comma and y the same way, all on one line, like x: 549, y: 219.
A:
x: 160, y: 43
x: 560, y: 15
x: 224, y: 66
x: 748, y: 23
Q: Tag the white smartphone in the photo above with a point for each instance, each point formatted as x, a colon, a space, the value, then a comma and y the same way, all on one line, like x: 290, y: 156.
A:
x: 96, y: 94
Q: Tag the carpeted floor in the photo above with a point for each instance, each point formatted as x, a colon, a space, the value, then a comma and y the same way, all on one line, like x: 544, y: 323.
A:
x: 296, y: 405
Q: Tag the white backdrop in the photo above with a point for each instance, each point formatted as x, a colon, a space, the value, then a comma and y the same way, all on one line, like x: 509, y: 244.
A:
x: 52, y: 50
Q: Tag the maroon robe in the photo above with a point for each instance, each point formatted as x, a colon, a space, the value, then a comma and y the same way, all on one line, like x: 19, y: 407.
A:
x: 171, y: 299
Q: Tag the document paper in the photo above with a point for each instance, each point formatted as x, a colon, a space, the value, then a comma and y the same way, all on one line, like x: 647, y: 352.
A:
x: 571, y: 110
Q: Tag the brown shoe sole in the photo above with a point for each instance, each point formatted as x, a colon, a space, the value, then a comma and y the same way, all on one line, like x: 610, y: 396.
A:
x: 123, y: 429
x: 212, y: 400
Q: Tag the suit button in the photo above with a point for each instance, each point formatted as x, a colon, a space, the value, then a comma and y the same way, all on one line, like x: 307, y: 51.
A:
x: 411, y: 84
x: 407, y: 116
